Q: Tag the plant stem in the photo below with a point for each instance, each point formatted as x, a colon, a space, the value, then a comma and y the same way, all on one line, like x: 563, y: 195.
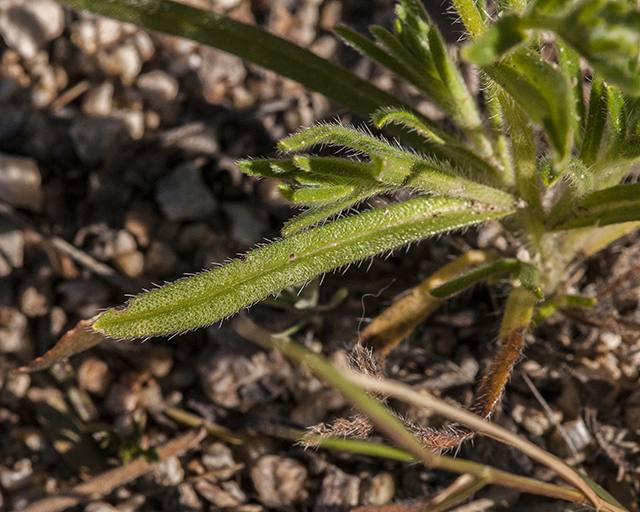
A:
x: 471, y: 17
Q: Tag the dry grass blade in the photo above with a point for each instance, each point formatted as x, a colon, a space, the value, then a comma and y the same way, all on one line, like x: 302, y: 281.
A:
x: 108, y: 481
x: 405, y: 393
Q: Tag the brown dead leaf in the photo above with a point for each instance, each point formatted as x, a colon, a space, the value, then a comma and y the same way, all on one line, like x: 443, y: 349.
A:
x: 80, y: 338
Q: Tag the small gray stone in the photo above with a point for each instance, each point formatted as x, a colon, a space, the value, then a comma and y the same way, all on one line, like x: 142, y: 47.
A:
x: 193, y: 139
x: 218, y: 456
x: 184, y: 499
x: 83, y: 294
x: 279, y: 481
x: 95, y: 137
x: 379, y: 490
x: 158, y: 88
x: 122, y: 398
x: 20, y: 182
x: 168, y: 473
x: 183, y: 194
x: 160, y: 259
x: 246, y: 227
x: 28, y: 25
x: 339, y: 490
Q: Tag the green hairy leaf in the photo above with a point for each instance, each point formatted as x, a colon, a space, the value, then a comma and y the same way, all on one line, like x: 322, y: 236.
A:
x: 542, y: 91
x: 613, y: 205
x: 605, y: 33
x: 210, y: 296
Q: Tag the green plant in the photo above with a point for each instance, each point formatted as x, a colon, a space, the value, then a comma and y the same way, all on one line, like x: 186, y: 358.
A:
x: 550, y: 166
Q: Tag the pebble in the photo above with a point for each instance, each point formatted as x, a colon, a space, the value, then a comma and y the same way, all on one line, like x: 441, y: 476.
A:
x: 160, y: 259
x: 28, y: 25
x: 94, y: 376
x: 132, y: 504
x: 100, y: 506
x: 193, y: 237
x: 379, y: 490
x: 106, y: 244
x: 96, y: 137
x: 140, y: 221
x: 11, y: 248
x: 150, y: 396
x: 279, y: 481
x: 339, y: 490
x: 20, y: 182
x: 219, y: 73
x: 218, y: 456
x: 578, y: 433
x: 34, y: 440
x: 194, y: 139
x: 36, y: 294
x: 534, y: 420
x: 215, y: 495
x: 608, y: 342
x: 83, y: 296
x: 186, y: 499
x: 158, y: 360
x: 183, y: 194
x: 108, y: 31
x: 131, y: 264
x: 144, y: 45
x: 122, y: 398
x: 17, y: 386
x: 168, y: 473
x: 98, y: 101
x: 122, y: 61
x: 245, y: 226
x: 13, y: 331
x: 232, y: 487
x: 19, y: 476
x: 158, y: 88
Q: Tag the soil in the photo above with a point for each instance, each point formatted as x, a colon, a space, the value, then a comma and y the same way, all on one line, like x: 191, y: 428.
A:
x: 123, y: 146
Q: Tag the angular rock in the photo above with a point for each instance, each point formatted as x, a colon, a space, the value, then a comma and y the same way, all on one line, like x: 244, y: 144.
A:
x: 279, y: 481
x: 183, y: 194
x: 340, y: 491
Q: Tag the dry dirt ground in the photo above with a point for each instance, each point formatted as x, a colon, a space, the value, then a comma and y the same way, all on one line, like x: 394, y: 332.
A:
x: 117, y: 151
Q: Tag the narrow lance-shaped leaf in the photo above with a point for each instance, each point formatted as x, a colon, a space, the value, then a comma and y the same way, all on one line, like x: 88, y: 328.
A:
x: 496, y: 268
x: 596, y: 120
x: 449, y: 148
x: 321, y: 212
x: 460, y: 105
x: 205, y: 298
x: 613, y: 205
x: 542, y: 91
